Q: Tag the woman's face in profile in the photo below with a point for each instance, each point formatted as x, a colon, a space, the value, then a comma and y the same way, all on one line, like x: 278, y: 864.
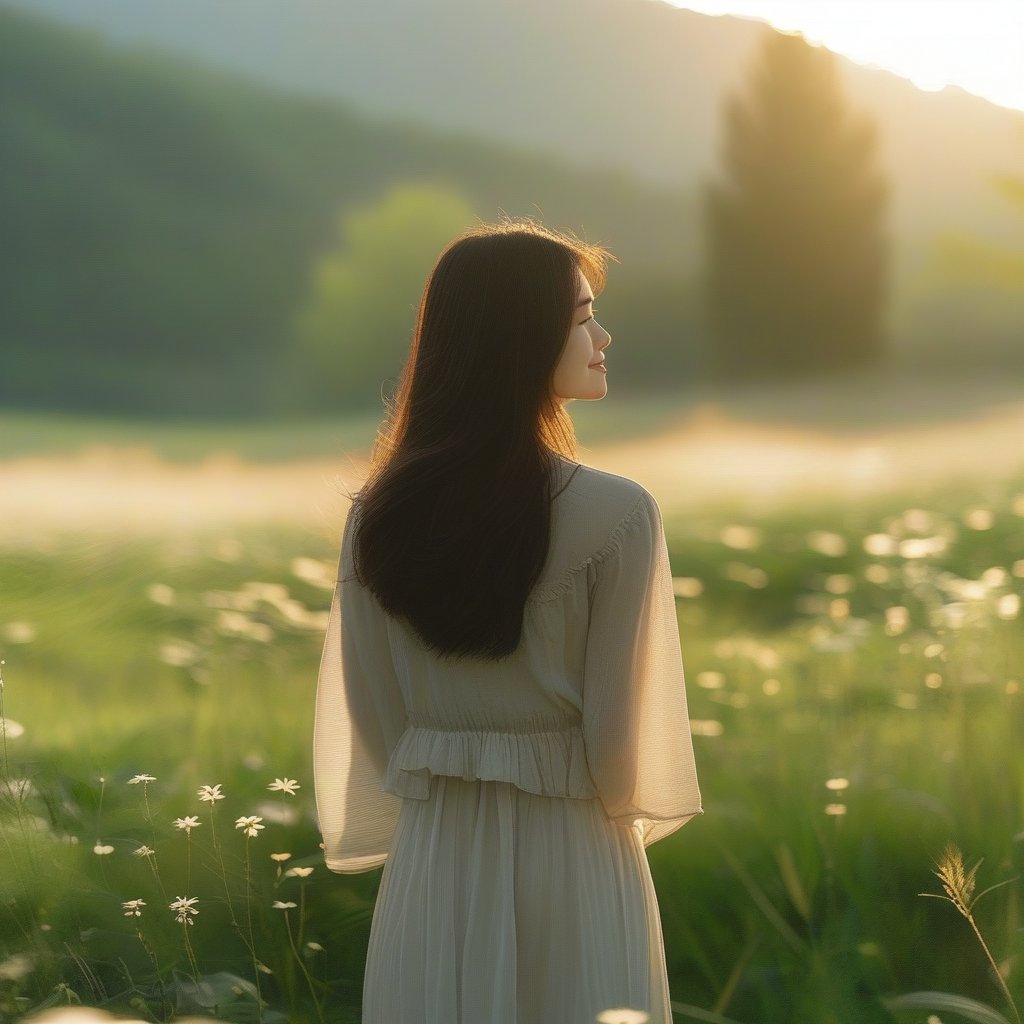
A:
x: 580, y: 372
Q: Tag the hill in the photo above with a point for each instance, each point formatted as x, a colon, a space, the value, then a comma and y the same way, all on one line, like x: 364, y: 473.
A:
x: 632, y: 85
x: 161, y: 218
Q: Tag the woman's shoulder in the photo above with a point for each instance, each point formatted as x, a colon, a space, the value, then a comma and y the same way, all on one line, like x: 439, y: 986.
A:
x: 597, y: 506
x: 609, y: 490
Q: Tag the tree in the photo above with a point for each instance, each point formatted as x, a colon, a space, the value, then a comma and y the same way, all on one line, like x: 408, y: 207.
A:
x: 354, y: 329
x: 796, y: 262
x: 964, y: 261
x: 968, y: 315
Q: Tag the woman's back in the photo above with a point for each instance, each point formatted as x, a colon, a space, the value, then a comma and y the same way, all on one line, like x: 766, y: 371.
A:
x: 583, y: 729
x: 501, y: 711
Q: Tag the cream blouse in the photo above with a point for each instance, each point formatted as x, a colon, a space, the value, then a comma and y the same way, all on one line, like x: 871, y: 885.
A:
x: 591, y: 704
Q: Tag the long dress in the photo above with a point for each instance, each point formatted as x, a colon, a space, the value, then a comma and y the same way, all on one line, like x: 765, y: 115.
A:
x: 510, y: 803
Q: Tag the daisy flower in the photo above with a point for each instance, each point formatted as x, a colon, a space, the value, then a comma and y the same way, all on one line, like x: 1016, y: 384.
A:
x: 285, y: 786
x: 250, y: 824
x: 210, y: 793
x: 188, y: 823
x: 144, y: 851
x: 182, y: 907
x: 136, y: 779
x: 298, y: 872
x: 278, y: 905
x: 132, y: 907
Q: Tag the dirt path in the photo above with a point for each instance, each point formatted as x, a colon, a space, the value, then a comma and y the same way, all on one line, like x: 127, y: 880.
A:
x: 705, y: 456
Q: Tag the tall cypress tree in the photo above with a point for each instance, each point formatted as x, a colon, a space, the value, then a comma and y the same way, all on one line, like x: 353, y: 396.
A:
x: 796, y: 260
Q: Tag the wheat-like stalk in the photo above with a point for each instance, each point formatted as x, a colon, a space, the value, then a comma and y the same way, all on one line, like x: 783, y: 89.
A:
x: 958, y: 884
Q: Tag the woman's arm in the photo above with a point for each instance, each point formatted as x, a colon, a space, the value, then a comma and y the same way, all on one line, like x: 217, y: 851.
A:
x: 360, y: 715
x: 635, y: 722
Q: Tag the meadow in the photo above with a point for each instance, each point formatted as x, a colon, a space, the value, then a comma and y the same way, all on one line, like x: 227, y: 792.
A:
x: 854, y: 673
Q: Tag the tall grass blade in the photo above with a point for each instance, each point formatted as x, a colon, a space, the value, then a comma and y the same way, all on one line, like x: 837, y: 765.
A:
x: 696, y: 1013
x: 758, y: 895
x: 971, y: 1009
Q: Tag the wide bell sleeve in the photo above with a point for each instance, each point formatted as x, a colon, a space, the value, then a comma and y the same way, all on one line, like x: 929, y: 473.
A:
x: 360, y: 715
x: 635, y: 722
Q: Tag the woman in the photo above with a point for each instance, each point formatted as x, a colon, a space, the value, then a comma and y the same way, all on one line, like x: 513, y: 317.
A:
x: 501, y: 716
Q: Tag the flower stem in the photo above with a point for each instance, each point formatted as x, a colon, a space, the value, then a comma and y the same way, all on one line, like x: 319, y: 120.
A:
x: 252, y: 940
x: 995, y: 969
x: 191, y: 954
x: 156, y: 967
x: 302, y: 966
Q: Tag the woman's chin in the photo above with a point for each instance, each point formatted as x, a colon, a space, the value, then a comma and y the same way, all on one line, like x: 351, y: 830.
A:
x: 587, y: 394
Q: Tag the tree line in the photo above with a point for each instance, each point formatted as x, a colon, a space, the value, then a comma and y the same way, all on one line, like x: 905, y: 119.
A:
x: 194, y: 246
x: 794, y: 275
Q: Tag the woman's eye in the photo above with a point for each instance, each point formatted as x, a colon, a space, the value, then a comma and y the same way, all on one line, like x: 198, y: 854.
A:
x: 591, y: 317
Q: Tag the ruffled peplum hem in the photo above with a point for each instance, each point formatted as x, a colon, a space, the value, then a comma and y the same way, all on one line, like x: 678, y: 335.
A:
x: 546, y: 763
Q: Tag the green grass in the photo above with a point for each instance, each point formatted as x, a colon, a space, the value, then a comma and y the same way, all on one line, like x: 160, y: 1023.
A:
x: 776, y: 908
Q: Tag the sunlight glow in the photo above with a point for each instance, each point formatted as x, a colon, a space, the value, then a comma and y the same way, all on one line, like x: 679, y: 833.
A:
x: 934, y: 43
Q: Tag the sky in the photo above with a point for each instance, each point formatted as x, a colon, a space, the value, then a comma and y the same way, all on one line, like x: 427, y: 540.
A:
x: 975, y: 44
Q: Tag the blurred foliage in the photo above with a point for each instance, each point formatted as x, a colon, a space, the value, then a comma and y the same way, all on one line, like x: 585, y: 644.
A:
x: 357, y: 323
x: 963, y: 260
x: 797, y: 263
x: 967, y: 310
x: 162, y: 220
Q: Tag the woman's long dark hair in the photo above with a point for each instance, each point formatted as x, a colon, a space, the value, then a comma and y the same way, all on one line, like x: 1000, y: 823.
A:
x: 453, y: 522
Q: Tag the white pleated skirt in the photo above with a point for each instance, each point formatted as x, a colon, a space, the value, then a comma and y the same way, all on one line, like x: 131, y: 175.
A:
x: 498, y: 906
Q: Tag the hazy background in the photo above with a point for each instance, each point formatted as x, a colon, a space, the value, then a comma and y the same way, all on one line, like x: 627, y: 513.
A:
x: 178, y: 179
x: 218, y: 216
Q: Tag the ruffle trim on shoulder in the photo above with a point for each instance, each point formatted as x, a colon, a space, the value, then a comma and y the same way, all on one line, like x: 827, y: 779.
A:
x: 549, y: 763
x: 555, y: 588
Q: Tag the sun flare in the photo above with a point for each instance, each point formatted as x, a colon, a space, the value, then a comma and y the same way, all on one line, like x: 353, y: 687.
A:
x: 952, y: 42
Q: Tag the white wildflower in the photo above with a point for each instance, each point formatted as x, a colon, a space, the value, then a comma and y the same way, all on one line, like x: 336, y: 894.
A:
x: 210, y: 793
x: 285, y: 786
x: 250, y: 825
x: 182, y: 907
x: 187, y: 823
x: 132, y: 907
